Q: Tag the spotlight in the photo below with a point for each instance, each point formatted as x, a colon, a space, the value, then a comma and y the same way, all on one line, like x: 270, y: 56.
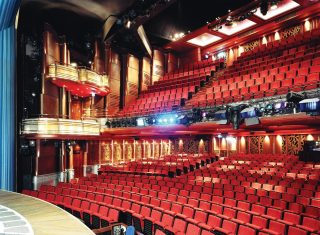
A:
x: 264, y: 7
x: 108, y: 124
x: 294, y: 97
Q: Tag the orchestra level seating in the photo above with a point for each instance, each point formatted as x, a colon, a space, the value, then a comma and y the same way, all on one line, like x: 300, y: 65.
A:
x: 244, y: 194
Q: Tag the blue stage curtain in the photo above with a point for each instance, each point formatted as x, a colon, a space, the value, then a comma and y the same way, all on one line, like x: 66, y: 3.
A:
x: 8, y: 11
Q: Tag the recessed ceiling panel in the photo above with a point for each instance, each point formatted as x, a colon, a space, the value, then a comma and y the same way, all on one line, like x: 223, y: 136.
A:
x: 278, y: 9
x: 236, y: 27
x: 204, y: 39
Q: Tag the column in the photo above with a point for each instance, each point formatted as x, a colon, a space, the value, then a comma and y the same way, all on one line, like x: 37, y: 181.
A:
x: 8, y: 10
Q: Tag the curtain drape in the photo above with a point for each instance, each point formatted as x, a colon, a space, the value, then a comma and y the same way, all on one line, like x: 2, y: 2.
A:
x: 8, y: 11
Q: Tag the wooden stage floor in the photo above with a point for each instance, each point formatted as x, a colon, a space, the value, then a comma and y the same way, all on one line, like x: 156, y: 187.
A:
x: 44, y: 218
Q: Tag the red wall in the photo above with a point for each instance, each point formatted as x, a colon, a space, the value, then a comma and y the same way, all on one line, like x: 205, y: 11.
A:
x: 48, y: 161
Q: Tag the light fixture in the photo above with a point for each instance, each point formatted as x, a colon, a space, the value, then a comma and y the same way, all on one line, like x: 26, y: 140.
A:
x: 73, y: 64
x: 273, y: 6
x: 310, y: 106
x: 128, y: 24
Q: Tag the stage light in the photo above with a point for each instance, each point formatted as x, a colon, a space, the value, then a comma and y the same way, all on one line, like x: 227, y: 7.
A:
x: 160, y: 120
x: 310, y: 106
x: 141, y: 122
x: 219, y: 136
x: 250, y: 112
x: 264, y: 7
x: 294, y: 97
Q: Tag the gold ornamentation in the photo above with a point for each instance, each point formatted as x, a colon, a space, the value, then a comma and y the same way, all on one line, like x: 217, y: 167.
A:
x: 251, y: 45
x: 291, y: 32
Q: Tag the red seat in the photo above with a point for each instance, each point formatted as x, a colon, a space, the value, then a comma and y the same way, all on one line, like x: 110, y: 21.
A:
x: 296, y: 231
x: 246, y: 230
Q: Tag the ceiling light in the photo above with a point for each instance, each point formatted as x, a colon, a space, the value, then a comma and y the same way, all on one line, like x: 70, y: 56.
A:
x: 273, y: 6
x: 128, y: 24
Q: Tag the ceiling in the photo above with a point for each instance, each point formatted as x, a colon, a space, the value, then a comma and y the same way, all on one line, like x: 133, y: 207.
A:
x: 76, y: 18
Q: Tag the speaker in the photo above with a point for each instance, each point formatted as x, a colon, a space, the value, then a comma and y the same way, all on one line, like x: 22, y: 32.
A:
x: 251, y: 121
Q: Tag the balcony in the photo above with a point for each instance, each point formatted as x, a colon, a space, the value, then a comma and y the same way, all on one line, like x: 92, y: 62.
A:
x: 59, y: 126
x: 79, y: 81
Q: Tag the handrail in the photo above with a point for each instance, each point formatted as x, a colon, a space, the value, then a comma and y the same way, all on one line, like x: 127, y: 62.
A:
x: 77, y: 74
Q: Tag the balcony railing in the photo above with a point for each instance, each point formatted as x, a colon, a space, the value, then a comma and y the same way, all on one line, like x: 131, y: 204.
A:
x: 58, y: 126
x: 63, y: 72
x: 82, y: 75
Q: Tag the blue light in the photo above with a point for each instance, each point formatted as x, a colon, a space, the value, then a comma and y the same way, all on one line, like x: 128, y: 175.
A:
x: 167, y: 119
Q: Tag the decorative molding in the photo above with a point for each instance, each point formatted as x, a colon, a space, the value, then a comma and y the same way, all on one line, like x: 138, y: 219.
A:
x: 59, y: 126
x: 251, y: 45
x: 286, y: 17
x: 290, y: 32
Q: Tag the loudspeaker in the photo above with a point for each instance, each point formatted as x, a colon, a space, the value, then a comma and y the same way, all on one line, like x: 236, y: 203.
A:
x: 251, y: 121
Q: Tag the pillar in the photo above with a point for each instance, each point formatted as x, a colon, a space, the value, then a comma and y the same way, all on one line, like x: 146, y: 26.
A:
x: 8, y: 10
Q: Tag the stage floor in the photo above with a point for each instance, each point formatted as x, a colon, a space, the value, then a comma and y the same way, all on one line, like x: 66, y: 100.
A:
x: 22, y: 214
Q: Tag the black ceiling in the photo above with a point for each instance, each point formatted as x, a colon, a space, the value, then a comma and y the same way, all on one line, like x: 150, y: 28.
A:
x: 76, y: 18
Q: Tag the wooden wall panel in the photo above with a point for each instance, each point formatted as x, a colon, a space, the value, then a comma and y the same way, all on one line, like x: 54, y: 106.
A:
x: 114, y: 82
x: 78, y: 160
x: 172, y: 63
x: 76, y: 109
x: 98, y: 60
x: 49, y: 106
x: 188, y: 57
x: 157, y: 65
x: 146, y: 71
x: 132, y: 80
x: 50, y: 92
x: 93, y: 152
x: 48, y: 161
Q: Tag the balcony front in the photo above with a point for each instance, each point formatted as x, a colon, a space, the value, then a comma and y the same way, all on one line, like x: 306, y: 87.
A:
x: 81, y: 82
x: 59, y: 126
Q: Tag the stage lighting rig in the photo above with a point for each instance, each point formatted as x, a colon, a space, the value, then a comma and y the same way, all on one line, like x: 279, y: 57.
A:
x: 310, y: 106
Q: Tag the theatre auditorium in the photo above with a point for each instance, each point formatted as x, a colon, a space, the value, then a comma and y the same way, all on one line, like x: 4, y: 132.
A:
x: 160, y: 117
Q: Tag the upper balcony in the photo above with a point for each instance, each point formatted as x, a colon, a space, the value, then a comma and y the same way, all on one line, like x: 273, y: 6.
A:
x: 79, y: 81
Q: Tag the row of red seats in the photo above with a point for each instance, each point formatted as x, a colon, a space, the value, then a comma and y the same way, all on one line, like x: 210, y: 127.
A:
x: 265, y: 75
x: 269, y: 62
x: 195, y: 68
x: 228, y: 211
x: 173, y: 84
x: 157, y: 94
x: 296, y: 40
x: 279, y: 73
x: 269, y: 198
x: 168, y: 164
x: 246, y: 90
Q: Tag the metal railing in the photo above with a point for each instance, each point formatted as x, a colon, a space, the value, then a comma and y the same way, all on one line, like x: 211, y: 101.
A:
x: 80, y: 74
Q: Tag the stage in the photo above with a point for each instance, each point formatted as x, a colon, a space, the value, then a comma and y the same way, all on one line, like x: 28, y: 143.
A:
x: 21, y: 214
